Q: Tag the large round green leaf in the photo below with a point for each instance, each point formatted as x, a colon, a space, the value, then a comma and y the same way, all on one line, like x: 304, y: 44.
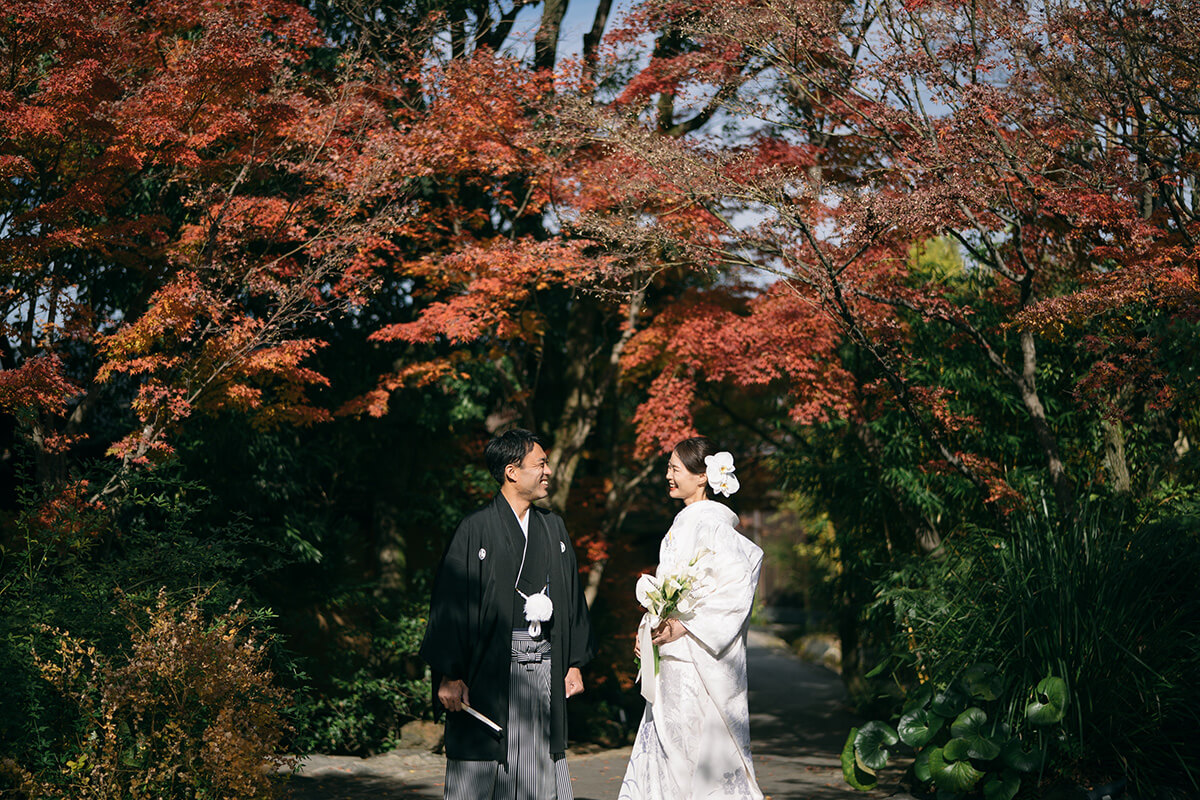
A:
x: 972, y: 727
x: 855, y: 776
x: 1016, y: 758
x: 956, y: 750
x: 983, y: 681
x: 969, y: 721
x: 949, y: 702
x: 1001, y: 787
x: 918, y: 727
x: 952, y: 776
x: 920, y: 765
x: 1049, y: 704
x: 870, y: 743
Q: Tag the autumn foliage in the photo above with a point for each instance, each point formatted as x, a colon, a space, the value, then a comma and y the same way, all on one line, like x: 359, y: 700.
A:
x: 181, y: 198
x: 192, y: 711
x: 879, y: 130
x: 926, y: 265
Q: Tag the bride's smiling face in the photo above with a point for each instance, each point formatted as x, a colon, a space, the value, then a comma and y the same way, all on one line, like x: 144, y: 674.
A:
x: 684, y: 485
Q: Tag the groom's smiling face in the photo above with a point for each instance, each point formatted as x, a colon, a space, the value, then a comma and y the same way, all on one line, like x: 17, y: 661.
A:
x: 532, y: 475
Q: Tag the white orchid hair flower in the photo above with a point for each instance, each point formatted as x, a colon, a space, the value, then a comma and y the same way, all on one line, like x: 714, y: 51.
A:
x: 719, y: 469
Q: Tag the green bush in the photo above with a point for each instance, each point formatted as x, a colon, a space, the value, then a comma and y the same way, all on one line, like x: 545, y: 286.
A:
x: 1111, y: 607
x: 374, y: 682
x: 64, y: 566
x: 961, y: 742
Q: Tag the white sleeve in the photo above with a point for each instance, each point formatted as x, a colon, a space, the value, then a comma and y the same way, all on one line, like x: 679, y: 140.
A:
x: 718, y: 617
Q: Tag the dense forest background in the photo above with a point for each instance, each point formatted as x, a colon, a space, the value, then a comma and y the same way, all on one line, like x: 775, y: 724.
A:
x: 273, y: 273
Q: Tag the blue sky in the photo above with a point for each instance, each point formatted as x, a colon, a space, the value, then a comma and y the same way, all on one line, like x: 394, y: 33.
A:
x: 578, y: 21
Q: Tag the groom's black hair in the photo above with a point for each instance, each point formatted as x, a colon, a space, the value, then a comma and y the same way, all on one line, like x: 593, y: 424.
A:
x: 506, y: 448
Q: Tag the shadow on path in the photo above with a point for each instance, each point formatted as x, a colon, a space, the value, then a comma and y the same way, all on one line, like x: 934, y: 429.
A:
x: 416, y: 775
x: 799, y: 720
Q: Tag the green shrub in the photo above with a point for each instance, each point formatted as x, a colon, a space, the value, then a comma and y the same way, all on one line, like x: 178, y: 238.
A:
x: 373, y: 681
x: 63, y: 566
x: 961, y: 742
x: 1111, y: 607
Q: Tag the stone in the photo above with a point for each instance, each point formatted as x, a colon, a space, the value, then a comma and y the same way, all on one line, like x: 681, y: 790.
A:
x: 822, y: 648
x: 421, y: 733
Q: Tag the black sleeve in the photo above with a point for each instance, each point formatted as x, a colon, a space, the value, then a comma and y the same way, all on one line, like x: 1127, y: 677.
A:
x: 583, y: 646
x: 447, y: 637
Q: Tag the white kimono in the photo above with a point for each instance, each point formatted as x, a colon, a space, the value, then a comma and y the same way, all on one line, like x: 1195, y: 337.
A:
x: 694, y: 740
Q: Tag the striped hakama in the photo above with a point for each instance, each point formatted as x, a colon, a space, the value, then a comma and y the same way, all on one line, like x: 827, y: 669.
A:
x: 531, y: 773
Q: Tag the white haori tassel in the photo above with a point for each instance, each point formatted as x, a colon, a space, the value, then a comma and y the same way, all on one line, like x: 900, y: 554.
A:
x: 539, y: 608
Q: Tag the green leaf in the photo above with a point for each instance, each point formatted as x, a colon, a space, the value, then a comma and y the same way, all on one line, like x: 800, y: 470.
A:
x: 949, y: 703
x: 918, y: 699
x: 920, y: 766
x: 1049, y: 704
x: 956, y: 750
x: 878, y: 668
x: 1001, y: 787
x: 869, y: 745
x: 918, y: 727
x: 854, y: 775
x: 968, y: 722
x: 971, y: 727
x: 983, y: 681
x: 952, y: 776
x: 1016, y: 758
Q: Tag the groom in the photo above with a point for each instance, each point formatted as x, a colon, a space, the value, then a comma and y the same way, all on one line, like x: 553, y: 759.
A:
x: 493, y: 650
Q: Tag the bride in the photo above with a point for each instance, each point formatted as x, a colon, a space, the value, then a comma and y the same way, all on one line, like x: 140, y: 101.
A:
x: 694, y: 739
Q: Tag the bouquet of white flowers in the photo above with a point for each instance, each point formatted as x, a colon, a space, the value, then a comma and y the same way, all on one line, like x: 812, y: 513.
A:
x: 672, y: 595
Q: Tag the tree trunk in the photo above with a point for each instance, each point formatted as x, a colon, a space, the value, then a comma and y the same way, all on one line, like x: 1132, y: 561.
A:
x: 591, y: 39
x: 590, y: 379
x: 390, y: 547
x: 545, y: 41
x: 1064, y: 491
x: 1115, y: 457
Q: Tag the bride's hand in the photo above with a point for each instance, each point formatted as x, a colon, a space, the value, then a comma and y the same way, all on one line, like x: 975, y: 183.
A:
x: 670, y: 630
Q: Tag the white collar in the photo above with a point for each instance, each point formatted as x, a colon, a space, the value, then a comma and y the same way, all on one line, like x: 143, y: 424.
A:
x: 701, y: 509
x: 524, y: 523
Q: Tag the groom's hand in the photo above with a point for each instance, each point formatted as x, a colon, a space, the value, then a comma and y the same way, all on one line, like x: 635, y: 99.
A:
x: 574, y: 682
x: 453, y: 694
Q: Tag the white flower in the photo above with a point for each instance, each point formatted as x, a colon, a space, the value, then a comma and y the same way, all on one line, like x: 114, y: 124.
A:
x: 726, y: 486
x: 719, y: 470
x: 538, y: 607
x: 647, y: 586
